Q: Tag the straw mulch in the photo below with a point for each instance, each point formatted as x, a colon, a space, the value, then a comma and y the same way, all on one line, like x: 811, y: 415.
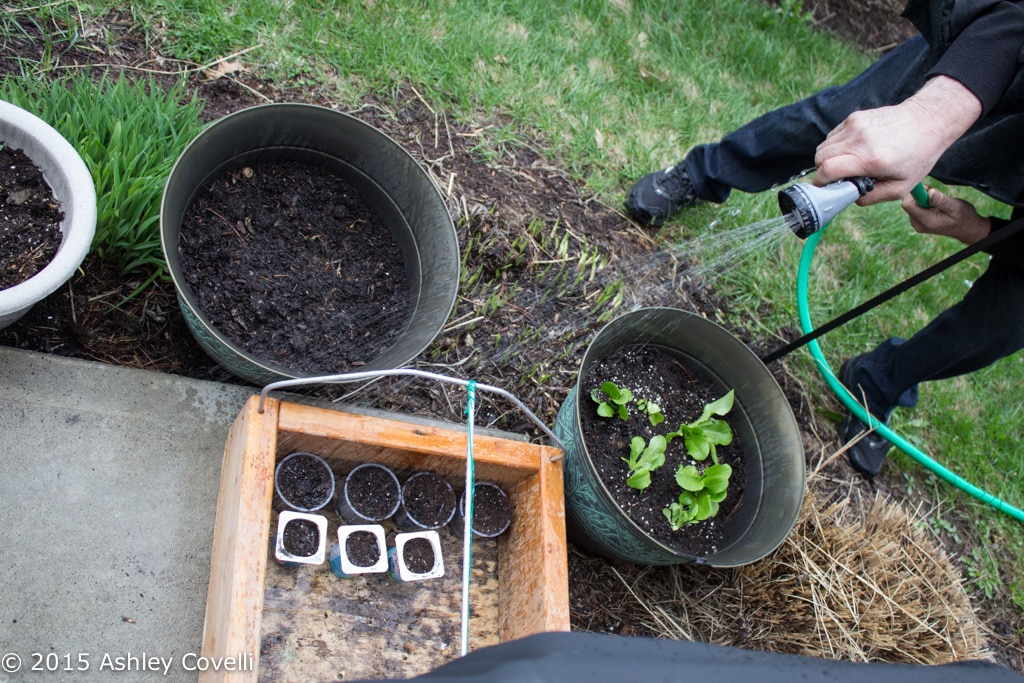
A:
x: 853, y: 581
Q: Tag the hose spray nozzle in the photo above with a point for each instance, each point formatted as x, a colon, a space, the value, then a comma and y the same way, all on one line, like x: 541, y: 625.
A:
x: 808, y: 208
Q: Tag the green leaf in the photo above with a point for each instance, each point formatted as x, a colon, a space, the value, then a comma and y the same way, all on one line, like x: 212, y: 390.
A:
x: 623, y: 413
x: 717, y: 432
x: 716, y: 478
x: 610, y: 389
x: 640, y: 480
x: 721, y: 406
x: 605, y: 410
x: 656, y: 418
x: 654, y: 455
x: 689, y: 479
x: 697, y: 445
x: 704, y: 507
x: 636, y: 447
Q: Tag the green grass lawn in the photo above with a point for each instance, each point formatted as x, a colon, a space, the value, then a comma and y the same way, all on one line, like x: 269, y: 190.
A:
x: 616, y: 89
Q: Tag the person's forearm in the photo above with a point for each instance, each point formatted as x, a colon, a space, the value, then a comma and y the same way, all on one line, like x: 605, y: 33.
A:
x: 948, y: 109
x: 898, y: 145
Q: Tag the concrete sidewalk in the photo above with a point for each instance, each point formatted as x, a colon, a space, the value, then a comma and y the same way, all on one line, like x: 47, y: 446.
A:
x: 108, y: 496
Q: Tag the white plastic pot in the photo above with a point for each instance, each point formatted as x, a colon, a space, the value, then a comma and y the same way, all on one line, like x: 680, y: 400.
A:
x: 285, y: 557
x: 72, y: 185
x: 343, y: 566
x: 399, y: 570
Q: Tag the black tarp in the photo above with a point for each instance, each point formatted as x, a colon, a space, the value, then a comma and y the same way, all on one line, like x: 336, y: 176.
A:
x: 597, y: 658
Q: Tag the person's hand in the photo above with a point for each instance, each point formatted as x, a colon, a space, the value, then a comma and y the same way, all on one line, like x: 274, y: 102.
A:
x: 897, y: 145
x: 947, y: 216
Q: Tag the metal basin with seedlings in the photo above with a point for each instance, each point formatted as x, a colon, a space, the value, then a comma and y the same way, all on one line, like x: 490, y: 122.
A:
x: 374, y: 165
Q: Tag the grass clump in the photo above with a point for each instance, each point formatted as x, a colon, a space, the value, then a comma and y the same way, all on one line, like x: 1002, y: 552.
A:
x: 129, y: 133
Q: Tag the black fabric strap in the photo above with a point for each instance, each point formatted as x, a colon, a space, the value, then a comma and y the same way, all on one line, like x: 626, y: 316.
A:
x: 994, y: 237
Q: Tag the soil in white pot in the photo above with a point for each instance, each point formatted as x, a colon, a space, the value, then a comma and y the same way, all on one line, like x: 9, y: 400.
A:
x: 301, y: 538
x: 30, y: 219
x: 362, y: 549
x: 295, y: 266
x: 419, y: 555
x: 682, y: 390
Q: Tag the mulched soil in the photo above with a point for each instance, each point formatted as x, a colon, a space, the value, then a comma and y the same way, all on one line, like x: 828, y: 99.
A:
x: 295, y: 266
x: 30, y: 219
x: 681, y: 392
x: 494, y: 201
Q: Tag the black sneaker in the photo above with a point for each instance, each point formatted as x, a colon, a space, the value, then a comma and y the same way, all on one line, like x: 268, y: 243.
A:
x: 658, y: 195
x: 868, y: 449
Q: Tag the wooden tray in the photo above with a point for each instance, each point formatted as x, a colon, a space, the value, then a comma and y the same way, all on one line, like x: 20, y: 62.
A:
x: 531, y: 594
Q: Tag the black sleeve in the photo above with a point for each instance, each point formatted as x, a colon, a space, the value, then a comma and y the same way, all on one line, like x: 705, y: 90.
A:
x: 1010, y: 250
x: 986, y: 56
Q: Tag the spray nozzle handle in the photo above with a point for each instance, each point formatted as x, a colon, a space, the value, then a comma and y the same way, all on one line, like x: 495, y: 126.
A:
x: 863, y: 184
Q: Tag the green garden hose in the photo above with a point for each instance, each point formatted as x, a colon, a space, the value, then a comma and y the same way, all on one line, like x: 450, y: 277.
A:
x: 920, y: 194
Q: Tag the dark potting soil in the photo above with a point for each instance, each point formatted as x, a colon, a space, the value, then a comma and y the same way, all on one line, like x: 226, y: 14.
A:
x: 372, y: 492
x: 296, y: 267
x: 304, y: 482
x: 30, y: 219
x: 419, y: 555
x: 681, y: 390
x: 301, y: 538
x: 362, y: 549
x: 428, y: 499
x: 492, y: 510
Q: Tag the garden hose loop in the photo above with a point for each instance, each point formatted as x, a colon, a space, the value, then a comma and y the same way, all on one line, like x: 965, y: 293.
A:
x: 806, y: 257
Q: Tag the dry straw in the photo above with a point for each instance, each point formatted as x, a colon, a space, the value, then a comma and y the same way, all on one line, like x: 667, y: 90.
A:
x: 846, y: 584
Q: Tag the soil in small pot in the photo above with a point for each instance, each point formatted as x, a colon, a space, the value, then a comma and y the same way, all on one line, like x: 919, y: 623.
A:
x: 372, y: 492
x: 419, y: 555
x: 30, y: 219
x: 492, y: 510
x: 362, y: 549
x: 681, y: 390
x: 429, y: 500
x: 304, y: 482
x: 295, y: 266
x: 301, y: 538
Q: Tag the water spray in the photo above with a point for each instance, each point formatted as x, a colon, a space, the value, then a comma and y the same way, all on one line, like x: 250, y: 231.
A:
x: 808, y: 208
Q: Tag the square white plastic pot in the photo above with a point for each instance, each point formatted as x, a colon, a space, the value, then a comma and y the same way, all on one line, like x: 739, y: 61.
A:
x: 399, y: 570
x: 342, y: 565
x: 286, y: 558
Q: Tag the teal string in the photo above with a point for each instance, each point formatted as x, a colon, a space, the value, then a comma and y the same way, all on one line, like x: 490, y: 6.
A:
x: 467, y: 530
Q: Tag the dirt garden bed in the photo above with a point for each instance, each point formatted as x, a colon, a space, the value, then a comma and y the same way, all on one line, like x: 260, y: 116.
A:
x: 527, y: 332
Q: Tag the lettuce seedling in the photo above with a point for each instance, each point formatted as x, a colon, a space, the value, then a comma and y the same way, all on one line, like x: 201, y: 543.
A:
x: 616, y: 402
x: 652, y: 409
x: 702, y: 492
x: 704, y: 434
x: 612, y: 400
x: 643, y: 459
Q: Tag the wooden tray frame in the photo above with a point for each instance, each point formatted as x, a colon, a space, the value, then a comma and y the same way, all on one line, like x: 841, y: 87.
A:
x: 532, y: 560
